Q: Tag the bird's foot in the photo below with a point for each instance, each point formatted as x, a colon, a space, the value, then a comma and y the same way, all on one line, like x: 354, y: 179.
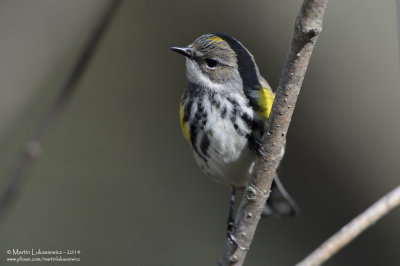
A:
x: 232, y: 238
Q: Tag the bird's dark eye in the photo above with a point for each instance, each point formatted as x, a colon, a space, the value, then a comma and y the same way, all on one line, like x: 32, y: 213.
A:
x: 211, y: 63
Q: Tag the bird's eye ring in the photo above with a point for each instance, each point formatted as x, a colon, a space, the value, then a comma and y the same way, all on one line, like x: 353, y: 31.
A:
x: 211, y: 63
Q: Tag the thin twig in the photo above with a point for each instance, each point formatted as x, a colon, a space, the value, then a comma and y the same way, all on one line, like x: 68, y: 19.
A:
x: 364, y: 220
x: 33, y: 146
x: 353, y: 229
x: 307, y: 27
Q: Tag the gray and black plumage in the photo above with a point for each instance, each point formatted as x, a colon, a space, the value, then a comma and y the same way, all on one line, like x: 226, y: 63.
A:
x: 224, y: 111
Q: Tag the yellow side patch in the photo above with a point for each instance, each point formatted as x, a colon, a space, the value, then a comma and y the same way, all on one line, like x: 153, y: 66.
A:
x: 215, y: 39
x: 265, y: 100
x: 183, y: 124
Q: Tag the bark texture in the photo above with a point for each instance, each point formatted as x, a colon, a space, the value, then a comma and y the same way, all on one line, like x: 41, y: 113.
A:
x: 307, y: 27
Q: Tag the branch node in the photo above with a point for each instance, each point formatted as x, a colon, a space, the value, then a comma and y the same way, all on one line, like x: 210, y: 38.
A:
x: 251, y: 193
x: 233, y: 259
x: 311, y: 31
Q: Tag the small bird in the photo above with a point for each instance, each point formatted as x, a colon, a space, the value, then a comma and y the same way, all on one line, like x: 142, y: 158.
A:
x: 223, y: 114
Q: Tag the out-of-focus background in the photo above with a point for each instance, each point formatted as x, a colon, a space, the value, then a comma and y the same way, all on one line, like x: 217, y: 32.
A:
x: 116, y: 179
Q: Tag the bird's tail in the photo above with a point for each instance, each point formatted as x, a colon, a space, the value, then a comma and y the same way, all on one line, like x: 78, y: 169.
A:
x: 279, y: 203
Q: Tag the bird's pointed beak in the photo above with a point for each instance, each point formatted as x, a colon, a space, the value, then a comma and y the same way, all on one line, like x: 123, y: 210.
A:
x: 186, y: 51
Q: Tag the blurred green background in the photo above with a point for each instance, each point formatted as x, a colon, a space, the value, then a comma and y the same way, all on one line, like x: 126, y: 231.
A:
x: 116, y: 179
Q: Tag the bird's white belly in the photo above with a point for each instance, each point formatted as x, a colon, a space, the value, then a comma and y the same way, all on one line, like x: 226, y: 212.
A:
x: 230, y: 160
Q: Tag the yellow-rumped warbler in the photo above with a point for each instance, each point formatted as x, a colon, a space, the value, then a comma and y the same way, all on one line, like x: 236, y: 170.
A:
x: 224, y: 112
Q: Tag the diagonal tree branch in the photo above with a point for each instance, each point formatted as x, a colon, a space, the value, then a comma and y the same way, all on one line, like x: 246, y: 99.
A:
x: 363, y: 221
x: 350, y: 231
x: 33, y: 146
x: 307, y: 27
